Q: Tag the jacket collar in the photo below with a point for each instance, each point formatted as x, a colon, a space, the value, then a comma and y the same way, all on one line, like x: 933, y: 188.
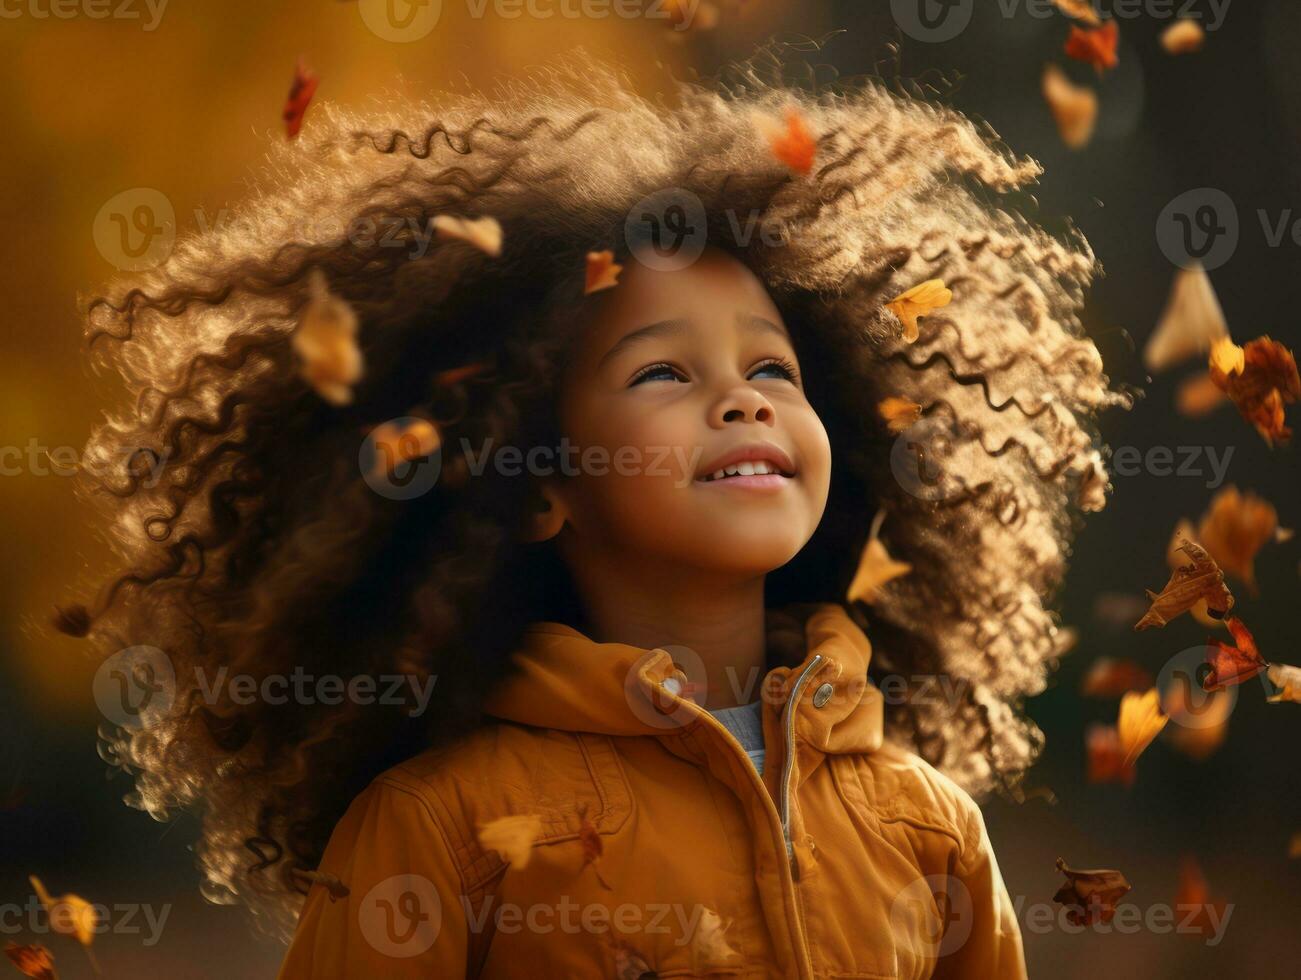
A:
x: 564, y: 680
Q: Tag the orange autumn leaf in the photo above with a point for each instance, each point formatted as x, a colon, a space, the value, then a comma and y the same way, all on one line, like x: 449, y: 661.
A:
x: 32, y: 961
x: 875, y: 567
x: 1175, y: 558
x: 1235, y: 528
x: 1230, y: 665
x: 1260, y: 378
x: 593, y: 848
x: 1193, y: 581
x: 1201, y: 720
x: 1106, y: 758
x: 70, y: 915
x: 710, y: 949
x: 1191, y: 323
x: 1074, y: 107
x: 1139, y: 722
x: 301, y: 90
x: 1080, y: 10
x: 1110, y: 677
x: 602, y: 272
x: 1198, y: 396
x: 483, y: 233
x: 1183, y: 37
x: 1096, y: 47
x: 790, y: 142
x: 918, y: 302
x: 899, y: 413
x: 1090, y: 896
x: 512, y: 837
x: 402, y: 441
x: 1288, y: 681
x: 1193, y: 897
x: 326, y: 343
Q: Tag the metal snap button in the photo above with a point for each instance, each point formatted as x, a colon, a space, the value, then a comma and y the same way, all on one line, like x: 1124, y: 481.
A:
x: 823, y: 694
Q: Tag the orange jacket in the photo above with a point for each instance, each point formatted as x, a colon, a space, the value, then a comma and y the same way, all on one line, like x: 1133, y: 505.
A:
x: 827, y: 867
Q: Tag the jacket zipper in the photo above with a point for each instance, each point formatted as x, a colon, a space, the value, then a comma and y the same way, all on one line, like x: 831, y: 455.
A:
x: 788, y: 761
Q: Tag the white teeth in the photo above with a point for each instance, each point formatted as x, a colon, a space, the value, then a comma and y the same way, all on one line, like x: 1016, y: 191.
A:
x: 761, y: 468
x: 718, y: 475
x: 755, y: 468
x: 745, y: 469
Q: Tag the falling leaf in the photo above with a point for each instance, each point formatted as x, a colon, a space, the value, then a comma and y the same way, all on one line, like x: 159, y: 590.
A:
x: 70, y: 915
x: 1288, y: 681
x: 1235, y: 528
x: 602, y: 272
x: 1200, y: 720
x: 1190, y: 324
x: 326, y: 343
x: 301, y: 91
x: 1106, y: 758
x: 899, y: 413
x: 1183, y: 37
x: 402, y: 441
x: 32, y: 961
x: 1175, y: 558
x: 483, y: 233
x: 593, y: 848
x: 1231, y: 665
x: 875, y: 567
x: 1194, y: 898
x: 710, y: 949
x: 1192, y: 581
x: 1080, y: 10
x: 1073, y: 106
x: 791, y: 143
x: 1198, y: 396
x: 1140, y: 721
x: 917, y: 302
x: 1095, y: 47
x: 1110, y: 677
x: 335, y: 888
x: 512, y: 837
x: 1260, y: 378
x: 1090, y: 896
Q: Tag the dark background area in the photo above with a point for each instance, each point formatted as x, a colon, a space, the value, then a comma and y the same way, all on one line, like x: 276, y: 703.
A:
x: 91, y: 108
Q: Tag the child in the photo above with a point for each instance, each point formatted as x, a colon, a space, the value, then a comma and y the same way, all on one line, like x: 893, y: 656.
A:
x: 660, y: 741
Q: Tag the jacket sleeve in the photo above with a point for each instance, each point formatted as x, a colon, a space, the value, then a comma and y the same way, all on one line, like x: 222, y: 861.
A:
x: 403, y: 916
x: 991, y: 947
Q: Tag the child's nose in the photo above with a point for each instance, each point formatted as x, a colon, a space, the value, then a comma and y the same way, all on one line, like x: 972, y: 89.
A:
x: 742, y: 403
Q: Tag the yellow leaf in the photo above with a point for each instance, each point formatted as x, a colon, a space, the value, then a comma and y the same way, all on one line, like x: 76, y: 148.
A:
x: 1288, y: 680
x: 1227, y: 357
x: 1074, y: 107
x: 1183, y: 37
x: 1140, y: 721
x: 69, y: 914
x: 1191, y: 322
x: 875, y: 568
x: 917, y: 302
x: 326, y: 343
x: 483, y: 233
x: 602, y: 272
x: 512, y: 837
x: 899, y: 413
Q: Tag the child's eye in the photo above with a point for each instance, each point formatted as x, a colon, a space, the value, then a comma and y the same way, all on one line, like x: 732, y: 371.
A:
x: 778, y: 367
x: 657, y: 372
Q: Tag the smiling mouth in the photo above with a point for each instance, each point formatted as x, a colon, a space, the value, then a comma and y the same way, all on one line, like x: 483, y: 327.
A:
x: 756, y: 467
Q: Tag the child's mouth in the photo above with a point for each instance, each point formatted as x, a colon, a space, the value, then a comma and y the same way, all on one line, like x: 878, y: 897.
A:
x: 761, y: 467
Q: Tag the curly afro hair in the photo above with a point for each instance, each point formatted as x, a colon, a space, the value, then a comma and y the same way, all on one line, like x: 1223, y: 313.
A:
x: 262, y: 549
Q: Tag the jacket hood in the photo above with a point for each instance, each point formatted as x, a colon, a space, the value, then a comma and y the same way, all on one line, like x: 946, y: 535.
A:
x: 564, y: 680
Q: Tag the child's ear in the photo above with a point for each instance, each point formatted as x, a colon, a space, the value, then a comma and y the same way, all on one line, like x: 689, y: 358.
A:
x: 547, y: 514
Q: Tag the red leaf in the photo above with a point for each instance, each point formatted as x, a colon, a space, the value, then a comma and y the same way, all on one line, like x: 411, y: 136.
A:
x: 301, y: 91
x: 1232, y: 665
x: 1095, y: 47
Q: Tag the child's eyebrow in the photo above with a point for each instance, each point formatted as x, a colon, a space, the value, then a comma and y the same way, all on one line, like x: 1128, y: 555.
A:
x: 641, y: 334
x: 762, y: 324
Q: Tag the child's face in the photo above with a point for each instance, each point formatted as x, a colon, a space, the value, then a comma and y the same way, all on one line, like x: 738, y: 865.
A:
x: 687, y: 372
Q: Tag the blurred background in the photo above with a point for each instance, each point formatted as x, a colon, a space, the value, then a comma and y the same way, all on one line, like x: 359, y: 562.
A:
x: 181, y: 97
